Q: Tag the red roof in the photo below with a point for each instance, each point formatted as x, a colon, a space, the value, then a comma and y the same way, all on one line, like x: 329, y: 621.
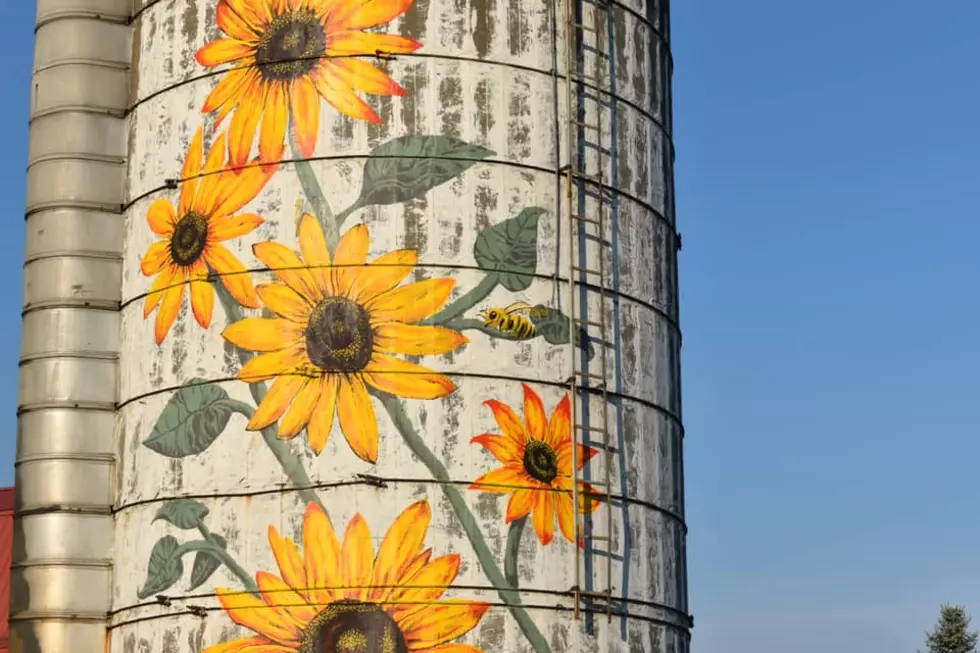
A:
x: 6, y: 544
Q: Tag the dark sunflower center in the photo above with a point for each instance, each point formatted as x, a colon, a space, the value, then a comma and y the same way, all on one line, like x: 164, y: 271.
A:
x: 540, y: 461
x: 339, y: 336
x: 353, y: 627
x: 291, y: 46
x: 189, y: 239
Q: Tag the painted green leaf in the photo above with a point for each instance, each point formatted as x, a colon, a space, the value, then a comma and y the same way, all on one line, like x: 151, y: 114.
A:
x: 554, y: 326
x: 193, y: 418
x: 205, y: 564
x: 408, y: 167
x: 164, y: 568
x: 510, y: 249
x: 183, y: 513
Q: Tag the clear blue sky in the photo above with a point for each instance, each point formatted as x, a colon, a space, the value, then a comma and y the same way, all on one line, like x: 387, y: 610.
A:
x: 828, y: 182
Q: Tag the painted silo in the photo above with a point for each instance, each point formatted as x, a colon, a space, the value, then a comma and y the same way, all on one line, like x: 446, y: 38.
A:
x: 351, y: 327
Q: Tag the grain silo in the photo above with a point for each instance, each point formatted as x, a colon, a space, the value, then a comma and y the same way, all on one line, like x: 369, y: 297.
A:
x: 350, y: 326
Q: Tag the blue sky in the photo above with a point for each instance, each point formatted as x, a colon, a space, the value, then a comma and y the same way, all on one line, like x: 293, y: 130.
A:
x: 826, y: 155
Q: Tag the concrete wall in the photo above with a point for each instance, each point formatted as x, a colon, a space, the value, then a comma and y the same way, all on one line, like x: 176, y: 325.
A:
x: 329, y: 436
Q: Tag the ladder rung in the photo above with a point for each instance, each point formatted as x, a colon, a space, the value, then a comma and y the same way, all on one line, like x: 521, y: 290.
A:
x: 586, y: 270
x: 601, y: 241
x: 592, y: 179
x: 587, y: 28
x: 596, y: 146
x: 594, y: 429
x: 586, y: 76
x: 608, y: 554
x: 589, y: 375
x: 588, y: 323
x: 585, y: 219
x: 596, y: 51
x: 609, y: 104
x: 597, y: 538
x: 587, y: 125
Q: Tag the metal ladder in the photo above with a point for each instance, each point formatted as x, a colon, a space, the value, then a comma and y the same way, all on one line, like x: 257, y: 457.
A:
x: 588, y: 20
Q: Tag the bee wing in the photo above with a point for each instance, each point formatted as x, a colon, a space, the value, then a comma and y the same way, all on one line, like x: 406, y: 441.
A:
x: 519, y: 307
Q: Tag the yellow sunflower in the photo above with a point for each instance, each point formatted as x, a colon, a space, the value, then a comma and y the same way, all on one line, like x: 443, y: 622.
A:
x: 342, y: 598
x: 191, y: 236
x: 537, y: 471
x: 337, y: 328
x: 289, y: 54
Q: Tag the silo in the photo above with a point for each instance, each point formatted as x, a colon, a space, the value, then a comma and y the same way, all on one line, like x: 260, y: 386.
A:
x: 353, y: 328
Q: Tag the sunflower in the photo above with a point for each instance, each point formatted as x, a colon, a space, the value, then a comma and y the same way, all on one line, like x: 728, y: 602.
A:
x: 336, y: 329
x: 290, y: 53
x: 537, y: 471
x: 342, y: 598
x: 192, y: 233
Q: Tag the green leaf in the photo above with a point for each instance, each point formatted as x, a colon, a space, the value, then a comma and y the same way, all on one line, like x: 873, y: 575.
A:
x: 205, y: 563
x: 183, y: 513
x: 164, y: 568
x: 408, y: 167
x: 193, y: 418
x: 510, y: 249
x: 554, y: 326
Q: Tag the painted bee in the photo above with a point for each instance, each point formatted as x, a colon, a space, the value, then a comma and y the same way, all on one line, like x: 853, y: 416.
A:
x: 511, y: 320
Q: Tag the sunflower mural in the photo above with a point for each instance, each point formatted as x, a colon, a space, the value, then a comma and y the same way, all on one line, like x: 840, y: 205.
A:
x: 191, y: 235
x: 342, y: 597
x: 536, y: 453
x: 338, y: 329
x: 287, y: 55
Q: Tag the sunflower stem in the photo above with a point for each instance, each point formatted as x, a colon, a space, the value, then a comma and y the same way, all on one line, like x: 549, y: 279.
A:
x: 513, y: 547
x: 416, y: 444
x: 289, y: 462
x: 207, y: 545
x: 464, y: 302
x: 314, y: 193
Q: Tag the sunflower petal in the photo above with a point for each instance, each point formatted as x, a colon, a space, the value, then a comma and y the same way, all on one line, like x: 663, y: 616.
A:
x: 566, y: 516
x: 158, y: 288
x: 247, y: 645
x: 263, y: 334
x: 412, y: 340
x: 534, y: 413
x: 564, y: 451
x: 243, y: 187
x: 362, y: 76
x: 358, y: 559
x: 320, y: 424
x: 288, y: 267
x: 162, y: 218
x: 230, y: 89
x: 238, y: 22
x: 403, y: 379
x: 170, y: 305
x: 274, y: 123
x: 322, y: 550
x: 233, y: 275
x: 285, y: 302
x: 357, y: 418
x: 235, y: 226
x: 342, y: 98
x: 304, y: 104
x: 503, y: 480
x: 290, y: 603
x: 313, y: 246
x: 426, y: 585
x: 253, y: 613
x: 202, y: 302
x: 363, y: 15
x: 383, y: 274
x: 156, y: 258
x: 358, y: 42
x: 507, y: 450
x: 222, y: 51
x: 560, y: 426
x: 410, y: 303
x: 350, y: 257
x: 211, y: 176
x: 520, y: 504
x: 288, y: 559
x: 401, y: 544
x: 441, y: 622
x: 267, y: 366
x: 507, y: 420
x: 301, y: 410
x: 543, y: 517
x: 276, y: 401
x: 190, y: 172
x: 245, y: 122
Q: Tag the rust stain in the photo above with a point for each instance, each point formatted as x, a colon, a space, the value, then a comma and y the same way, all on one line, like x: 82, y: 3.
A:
x: 451, y: 103
x: 414, y: 21
x: 519, y: 121
x: 518, y: 29
x: 483, y: 115
x: 483, y: 26
x: 190, y: 26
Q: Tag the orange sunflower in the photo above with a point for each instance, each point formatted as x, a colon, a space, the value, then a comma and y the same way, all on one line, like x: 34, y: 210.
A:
x: 290, y: 53
x: 537, y: 471
x: 342, y: 598
x: 192, y: 234
x: 337, y: 328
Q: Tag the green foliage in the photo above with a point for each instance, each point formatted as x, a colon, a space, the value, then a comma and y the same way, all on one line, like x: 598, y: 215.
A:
x: 164, y: 569
x: 206, y: 563
x: 408, y: 167
x: 193, y: 418
x: 510, y: 249
x: 952, y: 633
x: 183, y: 513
